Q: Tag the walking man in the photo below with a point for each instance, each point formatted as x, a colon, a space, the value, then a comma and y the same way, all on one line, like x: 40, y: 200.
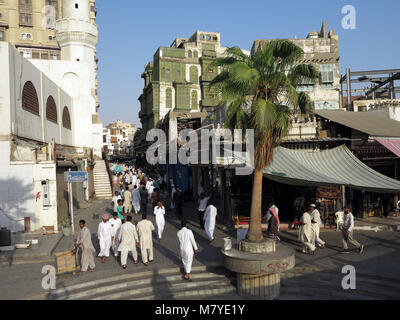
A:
x: 202, y: 208
x: 306, y: 233
x: 115, y: 229
x: 316, y: 225
x: 127, y: 200
x: 172, y: 197
x: 143, y: 197
x: 115, y: 200
x: 273, y: 223
x: 145, y: 229
x: 84, y: 241
x: 159, y: 212
x: 188, y: 248
x: 128, y: 241
x: 178, y: 201
x: 104, y: 235
x: 209, y: 217
x: 136, y: 199
x: 347, y: 233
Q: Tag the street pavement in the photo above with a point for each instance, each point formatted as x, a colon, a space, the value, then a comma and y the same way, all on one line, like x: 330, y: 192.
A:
x: 380, y: 257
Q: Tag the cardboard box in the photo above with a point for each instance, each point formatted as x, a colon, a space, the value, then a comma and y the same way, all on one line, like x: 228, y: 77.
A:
x: 66, y: 262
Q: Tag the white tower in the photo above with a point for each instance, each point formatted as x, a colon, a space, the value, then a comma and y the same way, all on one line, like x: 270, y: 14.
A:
x: 76, y: 35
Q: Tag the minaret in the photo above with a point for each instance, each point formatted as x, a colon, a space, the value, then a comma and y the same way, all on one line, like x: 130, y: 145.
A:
x: 75, y: 33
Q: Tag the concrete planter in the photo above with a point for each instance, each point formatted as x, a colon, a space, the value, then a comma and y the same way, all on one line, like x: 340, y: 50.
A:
x: 258, y: 267
x: 67, y: 231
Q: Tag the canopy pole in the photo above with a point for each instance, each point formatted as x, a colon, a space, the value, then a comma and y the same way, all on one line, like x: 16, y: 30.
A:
x: 343, y: 197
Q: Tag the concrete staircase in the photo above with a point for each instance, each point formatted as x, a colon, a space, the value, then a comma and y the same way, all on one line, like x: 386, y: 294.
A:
x: 102, y: 186
x: 327, y: 285
x: 163, y: 284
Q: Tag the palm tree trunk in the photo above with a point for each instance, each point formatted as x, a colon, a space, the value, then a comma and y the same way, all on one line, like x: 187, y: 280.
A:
x: 255, y: 232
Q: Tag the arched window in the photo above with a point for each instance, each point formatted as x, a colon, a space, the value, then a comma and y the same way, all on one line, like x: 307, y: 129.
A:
x: 190, y: 55
x: 195, y: 54
x: 169, y: 98
x: 51, y: 110
x: 195, y: 104
x: 66, y: 119
x: 30, y: 101
x: 194, y: 74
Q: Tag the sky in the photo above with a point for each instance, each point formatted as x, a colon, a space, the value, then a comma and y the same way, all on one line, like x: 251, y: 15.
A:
x: 130, y: 31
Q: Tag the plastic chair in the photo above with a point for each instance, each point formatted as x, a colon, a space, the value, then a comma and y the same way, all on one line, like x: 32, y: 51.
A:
x: 339, y: 219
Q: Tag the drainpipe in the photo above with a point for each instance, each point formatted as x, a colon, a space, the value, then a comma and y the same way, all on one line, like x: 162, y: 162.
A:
x: 349, y: 102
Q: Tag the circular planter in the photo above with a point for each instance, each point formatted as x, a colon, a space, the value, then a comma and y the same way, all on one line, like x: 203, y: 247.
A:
x: 67, y: 231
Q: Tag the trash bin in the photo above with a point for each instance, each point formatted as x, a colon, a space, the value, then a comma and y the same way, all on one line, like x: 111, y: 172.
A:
x: 5, y: 237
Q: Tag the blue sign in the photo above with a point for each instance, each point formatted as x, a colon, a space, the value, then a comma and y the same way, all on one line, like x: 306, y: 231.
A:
x: 77, y: 176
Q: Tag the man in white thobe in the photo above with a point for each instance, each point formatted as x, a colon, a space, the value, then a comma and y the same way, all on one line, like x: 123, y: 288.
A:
x: 84, y: 241
x: 145, y: 228
x: 149, y: 183
x: 188, y: 247
x: 136, y: 199
x: 150, y: 191
x: 134, y: 179
x: 128, y: 241
x: 316, y: 225
x: 159, y: 212
x: 115, y: 228
x: 104, y: 235
x: 115, y: 199
x: 306, y: 233
x: 209, y: 218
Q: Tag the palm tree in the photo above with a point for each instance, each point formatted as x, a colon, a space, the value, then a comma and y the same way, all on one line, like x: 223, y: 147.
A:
x: 260, y: 93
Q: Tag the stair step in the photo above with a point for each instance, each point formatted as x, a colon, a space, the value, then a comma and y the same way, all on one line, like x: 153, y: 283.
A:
x: 150, y: 287
x: 200, y: 293
x: 135, y: 279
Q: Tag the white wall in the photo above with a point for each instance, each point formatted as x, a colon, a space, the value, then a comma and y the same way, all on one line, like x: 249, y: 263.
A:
x: 20, y: 183
x: 16, y: 191
x: 76, y: 79
x: 5, y: 98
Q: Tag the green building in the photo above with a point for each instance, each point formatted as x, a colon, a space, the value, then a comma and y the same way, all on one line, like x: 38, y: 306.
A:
x: 178, y: 79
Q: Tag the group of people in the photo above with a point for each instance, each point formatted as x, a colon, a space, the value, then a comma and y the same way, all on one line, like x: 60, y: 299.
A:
x: 120, y: 235
x: 310, y: 226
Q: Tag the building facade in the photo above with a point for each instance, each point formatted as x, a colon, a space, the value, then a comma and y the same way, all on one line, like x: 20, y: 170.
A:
x: 50, y: 124
x: 178, y: 79
x: 322, y: 50
x: 118, y: 138
x: 30, y: 26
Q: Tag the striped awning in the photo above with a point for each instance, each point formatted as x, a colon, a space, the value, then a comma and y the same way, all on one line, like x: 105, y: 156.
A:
x: 390, y: 144
x: 336, y: 166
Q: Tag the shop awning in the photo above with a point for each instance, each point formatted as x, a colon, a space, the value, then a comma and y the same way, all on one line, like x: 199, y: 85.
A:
x: 336, y: 166
x: 372, y: 123
x: 391, y: 144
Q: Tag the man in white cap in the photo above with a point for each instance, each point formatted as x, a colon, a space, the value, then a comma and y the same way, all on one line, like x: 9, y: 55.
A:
x: 306, y: 233
x: 104, y: 235
x: 316, y: 225
x: 115, y: 228
x: 159, y: 212
x: 209, y: 218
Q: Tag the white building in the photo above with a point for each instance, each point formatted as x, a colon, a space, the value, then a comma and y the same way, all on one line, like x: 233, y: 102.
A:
x: 46, y: 107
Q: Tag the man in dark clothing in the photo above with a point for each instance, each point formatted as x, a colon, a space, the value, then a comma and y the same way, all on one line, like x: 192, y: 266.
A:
x: 143, y: 198
x: 178, y: 200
